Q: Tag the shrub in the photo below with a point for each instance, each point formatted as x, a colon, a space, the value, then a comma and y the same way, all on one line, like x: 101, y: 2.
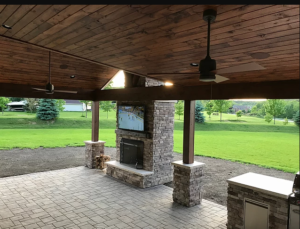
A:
x: 268, y: 118
x: 285, y: 121
x: 238, y: 114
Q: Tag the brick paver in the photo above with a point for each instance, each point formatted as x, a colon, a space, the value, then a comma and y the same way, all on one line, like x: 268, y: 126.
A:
x: 86, y: 198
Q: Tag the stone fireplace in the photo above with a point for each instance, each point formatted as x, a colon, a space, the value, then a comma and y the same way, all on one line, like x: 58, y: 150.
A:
x: 157, y: 141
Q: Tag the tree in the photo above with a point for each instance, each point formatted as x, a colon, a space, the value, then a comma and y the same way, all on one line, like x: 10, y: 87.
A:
x: 289, y: 110
x: 86, y: 102
x: 209, y: 108
x: 179, y: 108
x: 238, y: 114
x: 297, y: 119
x: 254, y: 110
x: 47, y: 109
x: 15, y: 99
x: 31, y: 104
x: 199, y: 116
x: 108, y: 86
x: 60, y: 104
x: 268, y: 118
x: 285, y: 121
x: 261, y: 112
x: 221, y: 106
x: 3, y: 102
x: 274, y: 107
x: 106, y: 106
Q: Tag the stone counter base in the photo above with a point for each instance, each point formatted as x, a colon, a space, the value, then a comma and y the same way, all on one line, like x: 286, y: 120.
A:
x: 186, y: 183
x: 278, y: 207
x: 93, y: 149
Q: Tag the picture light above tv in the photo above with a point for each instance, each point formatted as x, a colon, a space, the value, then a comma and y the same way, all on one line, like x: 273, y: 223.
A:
x: 131, y: 117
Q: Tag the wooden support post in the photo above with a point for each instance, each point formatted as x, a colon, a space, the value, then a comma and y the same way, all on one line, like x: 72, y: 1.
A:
x: 188, y: 131
x: 95, y: 121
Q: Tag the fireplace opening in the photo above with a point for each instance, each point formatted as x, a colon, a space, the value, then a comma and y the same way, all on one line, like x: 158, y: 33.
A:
x: 131, y: 153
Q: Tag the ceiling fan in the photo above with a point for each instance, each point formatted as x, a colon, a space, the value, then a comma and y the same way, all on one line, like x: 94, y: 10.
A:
x: 50, y: 87
x: 208, y: 67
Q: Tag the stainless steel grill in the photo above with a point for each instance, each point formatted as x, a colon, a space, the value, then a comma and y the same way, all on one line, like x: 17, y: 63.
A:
x: 294, y: 204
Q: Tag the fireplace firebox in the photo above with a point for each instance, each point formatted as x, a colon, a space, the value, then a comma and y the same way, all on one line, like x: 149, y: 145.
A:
x: 131, y: 153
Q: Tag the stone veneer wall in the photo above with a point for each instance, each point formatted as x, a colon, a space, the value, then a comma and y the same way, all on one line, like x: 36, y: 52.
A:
x: 186, y: 185
x: 278, y: 207
x: 153, y: 83
x: 163, y: 128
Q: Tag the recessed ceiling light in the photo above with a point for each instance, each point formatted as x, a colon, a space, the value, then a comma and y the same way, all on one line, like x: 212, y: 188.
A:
x: 194, y: 64
x: 168, y: 84
x: 6, y: 26
x: 72, y: 76
x: 260, y: 55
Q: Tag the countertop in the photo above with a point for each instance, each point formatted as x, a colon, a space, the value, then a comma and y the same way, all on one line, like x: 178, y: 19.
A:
x: 266, y: 184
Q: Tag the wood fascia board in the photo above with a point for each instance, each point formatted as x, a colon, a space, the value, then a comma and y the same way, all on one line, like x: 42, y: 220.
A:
x: 288, y: 89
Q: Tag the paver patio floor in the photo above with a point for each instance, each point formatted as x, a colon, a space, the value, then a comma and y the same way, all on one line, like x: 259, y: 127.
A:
x: 84, y: 198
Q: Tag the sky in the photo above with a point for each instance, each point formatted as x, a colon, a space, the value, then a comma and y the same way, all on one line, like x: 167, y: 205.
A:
x: 118, y: 81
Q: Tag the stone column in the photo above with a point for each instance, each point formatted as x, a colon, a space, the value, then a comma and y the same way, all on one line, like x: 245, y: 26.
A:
x: 186, y: 183
x: 93, y: 149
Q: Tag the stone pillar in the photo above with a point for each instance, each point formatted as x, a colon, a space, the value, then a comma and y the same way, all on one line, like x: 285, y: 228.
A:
x: 93, y: 149
x: 186, y: 183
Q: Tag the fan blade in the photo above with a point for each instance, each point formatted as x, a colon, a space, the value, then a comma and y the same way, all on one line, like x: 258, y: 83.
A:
x: 241, y: 68
x: 181, y: 73
x: 220, y: 79
x: 39, y: 89
x: 74, y: 92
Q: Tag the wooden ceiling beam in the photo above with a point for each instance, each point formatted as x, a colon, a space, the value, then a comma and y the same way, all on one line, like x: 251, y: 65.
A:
x: 288, y: 89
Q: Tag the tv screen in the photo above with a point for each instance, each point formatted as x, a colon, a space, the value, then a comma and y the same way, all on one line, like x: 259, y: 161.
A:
x: 131, y: 117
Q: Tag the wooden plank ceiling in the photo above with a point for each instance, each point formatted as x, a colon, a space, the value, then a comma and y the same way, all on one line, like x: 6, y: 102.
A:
x: 145, y: 39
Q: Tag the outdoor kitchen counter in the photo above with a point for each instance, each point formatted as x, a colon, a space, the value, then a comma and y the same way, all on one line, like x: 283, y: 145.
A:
x: 266, y: 184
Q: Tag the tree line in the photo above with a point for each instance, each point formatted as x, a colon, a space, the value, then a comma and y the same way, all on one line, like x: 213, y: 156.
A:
x: 269, y: 109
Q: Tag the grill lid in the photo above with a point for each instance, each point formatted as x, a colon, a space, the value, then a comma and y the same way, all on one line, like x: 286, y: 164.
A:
x: 296, y: 185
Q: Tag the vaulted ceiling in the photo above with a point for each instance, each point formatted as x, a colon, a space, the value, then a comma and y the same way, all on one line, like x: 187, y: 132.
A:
x: 145, y: 39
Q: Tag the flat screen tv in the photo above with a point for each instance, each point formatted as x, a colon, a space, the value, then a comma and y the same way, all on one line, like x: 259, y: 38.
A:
x: 131, y: 117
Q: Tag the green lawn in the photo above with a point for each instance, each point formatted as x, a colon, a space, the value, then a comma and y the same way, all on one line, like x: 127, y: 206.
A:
x: 248, y: 140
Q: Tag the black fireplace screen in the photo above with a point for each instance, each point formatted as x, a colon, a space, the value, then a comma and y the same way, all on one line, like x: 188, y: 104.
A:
x: 131, y: 152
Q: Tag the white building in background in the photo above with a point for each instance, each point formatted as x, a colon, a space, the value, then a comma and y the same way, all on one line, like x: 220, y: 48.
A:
x: 75, y: 105
x: 16, y: 106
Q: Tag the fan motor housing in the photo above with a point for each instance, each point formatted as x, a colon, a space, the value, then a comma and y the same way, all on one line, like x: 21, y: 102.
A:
x: 207, y: 77
x: 49, y: 88
x: 207, y: 65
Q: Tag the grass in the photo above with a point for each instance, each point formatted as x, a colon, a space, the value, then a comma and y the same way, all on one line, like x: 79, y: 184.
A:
x: 247, y: 140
